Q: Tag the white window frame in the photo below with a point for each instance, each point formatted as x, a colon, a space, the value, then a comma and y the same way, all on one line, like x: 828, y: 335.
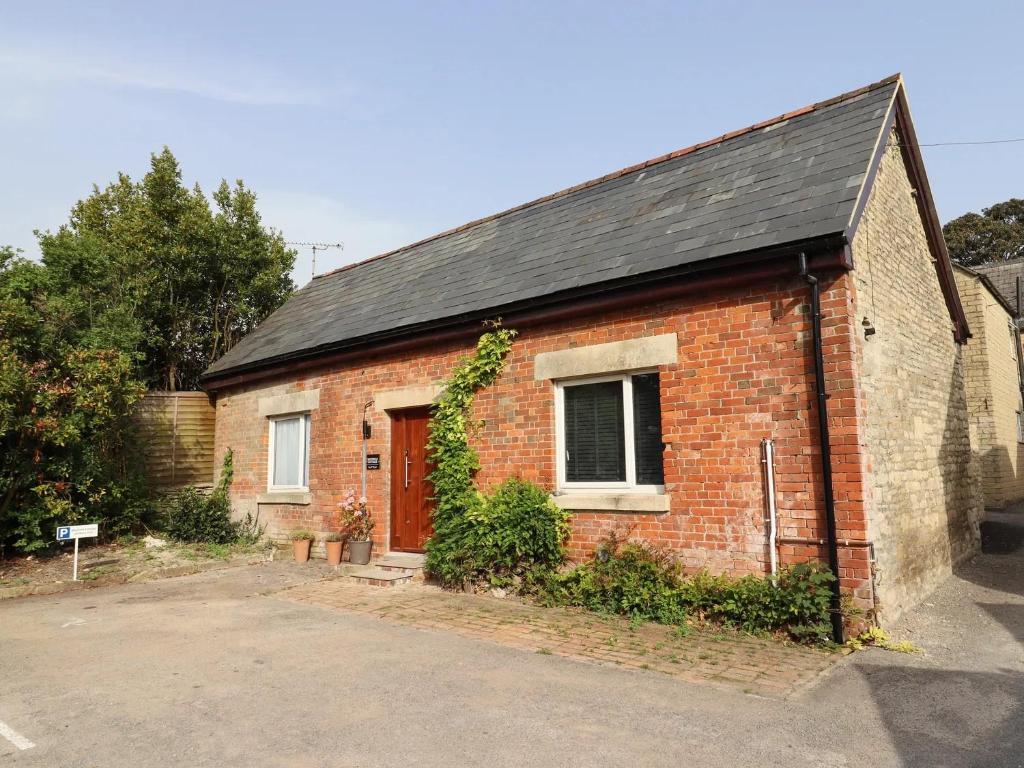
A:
x: 629, y: 485
x: 1013, y: 339
x: 304, y: 420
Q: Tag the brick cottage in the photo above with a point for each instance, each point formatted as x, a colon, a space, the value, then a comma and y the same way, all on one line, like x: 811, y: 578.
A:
x: 666, y: 331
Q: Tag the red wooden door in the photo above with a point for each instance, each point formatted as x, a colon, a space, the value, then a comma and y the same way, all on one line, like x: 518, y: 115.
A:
x: 411, y: 492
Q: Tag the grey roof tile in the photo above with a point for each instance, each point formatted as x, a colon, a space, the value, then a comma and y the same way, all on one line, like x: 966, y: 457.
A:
x: 1003, y: 276
x: 791, y: 180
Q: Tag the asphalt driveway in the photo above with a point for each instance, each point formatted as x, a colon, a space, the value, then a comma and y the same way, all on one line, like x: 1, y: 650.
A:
x: 215, y: 670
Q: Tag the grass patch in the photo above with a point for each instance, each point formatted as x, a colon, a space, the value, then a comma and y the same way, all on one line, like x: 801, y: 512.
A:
x: 94, y: 573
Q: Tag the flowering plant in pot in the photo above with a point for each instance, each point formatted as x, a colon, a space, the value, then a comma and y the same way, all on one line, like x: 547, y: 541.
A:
x: 333, y: 542
x: 356, y: 527
x: 301, y: 543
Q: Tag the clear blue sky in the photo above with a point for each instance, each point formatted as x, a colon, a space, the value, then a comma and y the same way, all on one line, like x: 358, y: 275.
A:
x: 379, y: 123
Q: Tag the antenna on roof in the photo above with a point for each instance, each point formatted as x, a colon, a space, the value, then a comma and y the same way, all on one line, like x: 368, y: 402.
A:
x: 316, y: 247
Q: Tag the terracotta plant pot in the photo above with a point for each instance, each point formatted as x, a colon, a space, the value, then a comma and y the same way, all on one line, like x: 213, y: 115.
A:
x: 301, y: 549
x: 359, y: 552
x: 334, y: 551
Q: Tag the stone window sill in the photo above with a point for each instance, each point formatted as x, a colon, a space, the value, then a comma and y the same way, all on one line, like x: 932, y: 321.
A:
x: 284, y: 497
x: 614, y: 502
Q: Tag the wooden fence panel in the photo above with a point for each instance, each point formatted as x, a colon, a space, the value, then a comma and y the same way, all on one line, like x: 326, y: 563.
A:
x: 176, y: 430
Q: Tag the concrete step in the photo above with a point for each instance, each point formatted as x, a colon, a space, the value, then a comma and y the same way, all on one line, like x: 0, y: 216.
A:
x: 410, y: 560
x: 379, y: 577
x: 408, y: 563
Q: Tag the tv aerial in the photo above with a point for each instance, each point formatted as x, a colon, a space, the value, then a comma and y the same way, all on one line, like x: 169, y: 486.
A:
x: 316, y: 247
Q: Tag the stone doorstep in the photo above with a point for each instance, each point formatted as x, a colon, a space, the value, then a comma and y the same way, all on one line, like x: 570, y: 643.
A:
x: 409, y: 560
x: 408, y: 564
x: 379, y: 577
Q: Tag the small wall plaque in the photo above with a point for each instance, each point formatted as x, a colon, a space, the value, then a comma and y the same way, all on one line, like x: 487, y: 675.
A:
x: 373, y: 461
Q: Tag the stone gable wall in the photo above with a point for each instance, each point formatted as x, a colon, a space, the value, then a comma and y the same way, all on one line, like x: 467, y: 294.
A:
x: 993, y: 394
x: 923, y: 495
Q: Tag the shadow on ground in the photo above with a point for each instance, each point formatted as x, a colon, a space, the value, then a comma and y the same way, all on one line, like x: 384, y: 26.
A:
x: 961, y: 703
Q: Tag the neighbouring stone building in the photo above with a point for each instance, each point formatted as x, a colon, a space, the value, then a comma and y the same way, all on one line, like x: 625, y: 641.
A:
x: 666, y: 330
x: 993, y: 371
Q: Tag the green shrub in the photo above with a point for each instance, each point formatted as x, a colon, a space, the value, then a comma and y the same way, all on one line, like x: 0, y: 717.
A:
x: 630, y: 579
x: 636, y: 580
x: 521, y: 528
x: 301, y: 535
x: 197, y: 517
x: 514, y: 530
x: 476, y: 537
x: 798, y: 601
x: 248, y: 530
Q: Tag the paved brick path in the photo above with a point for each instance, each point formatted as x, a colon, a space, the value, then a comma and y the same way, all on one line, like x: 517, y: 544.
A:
x: 724, y: 659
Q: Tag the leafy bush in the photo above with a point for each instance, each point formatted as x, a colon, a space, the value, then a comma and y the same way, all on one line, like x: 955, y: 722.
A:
x: 503, y: 536
x: 248, y: 530
x: 457, y: 503
x: 197, y: 517
x: 636, y: 580
x: 65, y: 401
x: 798, y: 601
x: 630, y: 579
x: 520, y: 527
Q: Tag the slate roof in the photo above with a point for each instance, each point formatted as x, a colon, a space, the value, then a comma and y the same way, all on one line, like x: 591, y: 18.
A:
x: 791, y: 179
x: 1003, y: 277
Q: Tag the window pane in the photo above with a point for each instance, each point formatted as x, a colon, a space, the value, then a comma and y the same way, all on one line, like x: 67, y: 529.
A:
x: 594, y: 433
x: 647, y: 430
x: 287, y: 433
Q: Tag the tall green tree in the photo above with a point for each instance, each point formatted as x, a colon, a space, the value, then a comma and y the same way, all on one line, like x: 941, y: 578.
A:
x: 996, y: 234
x: 175, y: 280
x: 65, y: 405
x: 146, y: 284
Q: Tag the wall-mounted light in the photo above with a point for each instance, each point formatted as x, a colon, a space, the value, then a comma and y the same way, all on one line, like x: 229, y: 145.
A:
x: 869, y: 329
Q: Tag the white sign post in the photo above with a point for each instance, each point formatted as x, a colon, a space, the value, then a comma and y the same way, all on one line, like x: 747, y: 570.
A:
x: 74, y: 533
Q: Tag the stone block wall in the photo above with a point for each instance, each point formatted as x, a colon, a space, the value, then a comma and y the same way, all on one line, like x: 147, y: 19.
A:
x: 993, y: 392
x: 923, y: 495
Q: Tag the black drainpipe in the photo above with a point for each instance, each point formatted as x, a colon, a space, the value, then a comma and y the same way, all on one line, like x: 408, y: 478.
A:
x: 836, y: 611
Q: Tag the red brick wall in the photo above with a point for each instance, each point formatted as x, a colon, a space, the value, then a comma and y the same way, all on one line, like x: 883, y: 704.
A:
x: 745, y: 372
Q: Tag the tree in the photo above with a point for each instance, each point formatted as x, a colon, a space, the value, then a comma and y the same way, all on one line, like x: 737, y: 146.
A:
x: 65, y: 405
x: 145, y: 286
x: 175, y: 282
x: 996, y: 234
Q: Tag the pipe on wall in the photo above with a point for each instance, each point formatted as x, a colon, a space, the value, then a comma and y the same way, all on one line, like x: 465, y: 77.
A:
x: 768, y: 448
x: 824, y: 439
x: 363, y: 429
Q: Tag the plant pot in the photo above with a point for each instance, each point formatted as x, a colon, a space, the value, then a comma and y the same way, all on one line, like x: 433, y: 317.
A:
x: 333, y: 551
x: 301, y: 550
x: 359, y: 552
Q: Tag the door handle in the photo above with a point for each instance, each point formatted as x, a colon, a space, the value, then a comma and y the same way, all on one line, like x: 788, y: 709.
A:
x: 407, y: 467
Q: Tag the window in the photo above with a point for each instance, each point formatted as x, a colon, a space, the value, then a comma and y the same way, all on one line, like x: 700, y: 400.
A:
x: 1013, y: 340
x: 288, y: 467
x: 1020, y: 427
x: 609, y: 433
